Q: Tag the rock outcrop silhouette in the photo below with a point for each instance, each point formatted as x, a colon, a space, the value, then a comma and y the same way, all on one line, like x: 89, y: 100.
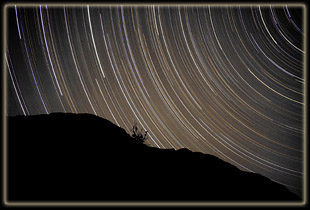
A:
x: 82, y: 157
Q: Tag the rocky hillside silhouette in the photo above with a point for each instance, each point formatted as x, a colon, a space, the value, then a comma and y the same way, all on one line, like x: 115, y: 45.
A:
x: 81, y: 157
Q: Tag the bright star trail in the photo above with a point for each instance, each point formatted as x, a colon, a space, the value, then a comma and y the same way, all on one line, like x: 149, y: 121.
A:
x: 222, y: 80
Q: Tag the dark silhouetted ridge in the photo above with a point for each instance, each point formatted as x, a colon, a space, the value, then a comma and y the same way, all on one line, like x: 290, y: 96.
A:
x: 81, y: 157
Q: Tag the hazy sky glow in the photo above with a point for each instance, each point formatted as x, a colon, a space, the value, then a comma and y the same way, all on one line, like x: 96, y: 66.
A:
x: 226, y: 80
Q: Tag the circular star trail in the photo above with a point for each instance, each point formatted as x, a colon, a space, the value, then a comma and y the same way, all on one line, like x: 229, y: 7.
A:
x: 222, y: 80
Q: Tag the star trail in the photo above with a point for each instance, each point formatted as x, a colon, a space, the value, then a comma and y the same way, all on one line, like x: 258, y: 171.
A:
x: 222, y: 80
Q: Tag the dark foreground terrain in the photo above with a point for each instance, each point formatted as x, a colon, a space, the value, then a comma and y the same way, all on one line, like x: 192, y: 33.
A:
x: 81, y: 157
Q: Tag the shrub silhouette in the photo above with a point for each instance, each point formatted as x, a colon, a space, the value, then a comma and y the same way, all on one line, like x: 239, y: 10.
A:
x: 138, y: 134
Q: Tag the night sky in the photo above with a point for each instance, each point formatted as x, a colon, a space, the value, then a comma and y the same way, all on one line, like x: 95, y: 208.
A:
x: 222, y: 80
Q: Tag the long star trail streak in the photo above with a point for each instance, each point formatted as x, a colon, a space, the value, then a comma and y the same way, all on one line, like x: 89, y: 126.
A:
x: 92, y: 36
x: 17, y: 89
x: 226, y: 81
x: 20, y: 37
x: 47, y: 49
x: 33, y: 75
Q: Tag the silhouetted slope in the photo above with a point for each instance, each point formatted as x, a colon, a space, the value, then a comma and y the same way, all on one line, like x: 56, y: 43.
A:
x: 81, y: 157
